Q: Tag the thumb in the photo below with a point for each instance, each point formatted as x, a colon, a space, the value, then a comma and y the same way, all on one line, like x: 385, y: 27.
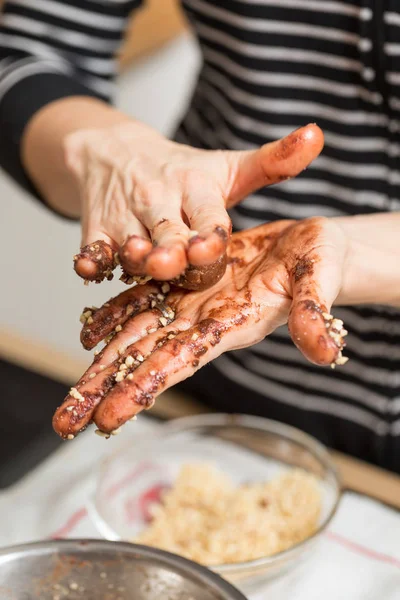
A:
x: 316, y: 279
x: 96, y: 258
x: 273, y: 162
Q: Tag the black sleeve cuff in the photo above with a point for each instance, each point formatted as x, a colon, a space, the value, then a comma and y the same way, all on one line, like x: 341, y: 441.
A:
x: 17, y: 107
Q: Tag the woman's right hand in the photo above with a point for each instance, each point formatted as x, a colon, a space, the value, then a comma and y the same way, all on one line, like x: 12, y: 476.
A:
x: 157, y: 206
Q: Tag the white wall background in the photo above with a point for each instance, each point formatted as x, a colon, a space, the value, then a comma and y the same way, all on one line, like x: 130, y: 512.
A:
x: 40, y: 296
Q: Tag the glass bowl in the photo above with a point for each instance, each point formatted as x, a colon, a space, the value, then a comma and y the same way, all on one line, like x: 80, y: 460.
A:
x: 246, y: 448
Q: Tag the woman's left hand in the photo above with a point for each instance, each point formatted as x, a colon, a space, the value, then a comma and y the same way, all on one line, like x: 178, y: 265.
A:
x: 282, y: 272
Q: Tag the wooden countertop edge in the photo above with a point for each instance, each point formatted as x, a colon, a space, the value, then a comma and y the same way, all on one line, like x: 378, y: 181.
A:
x: 356, y: 475
x: 40, y: 357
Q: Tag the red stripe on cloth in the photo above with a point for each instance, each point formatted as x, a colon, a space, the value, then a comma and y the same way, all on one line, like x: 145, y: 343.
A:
x: 133, y: 474
x: 363, y: 550
x: 70, y: 524
x: 81, y: 513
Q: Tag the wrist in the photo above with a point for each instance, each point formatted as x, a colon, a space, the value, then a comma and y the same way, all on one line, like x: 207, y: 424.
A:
x: 371, y: 271
x: 118, y: 131
x: 73, y: 113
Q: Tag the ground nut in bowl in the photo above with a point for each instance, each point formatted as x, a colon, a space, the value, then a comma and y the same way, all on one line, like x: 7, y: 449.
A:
x: 255, y: 492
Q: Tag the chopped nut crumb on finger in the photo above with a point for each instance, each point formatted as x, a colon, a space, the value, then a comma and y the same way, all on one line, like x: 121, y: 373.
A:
x: 110, y: 317
x: 95, y: 262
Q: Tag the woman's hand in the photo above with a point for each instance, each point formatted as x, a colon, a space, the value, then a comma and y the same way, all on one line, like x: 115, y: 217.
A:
x: 281, y: 272
x: 157, y: 206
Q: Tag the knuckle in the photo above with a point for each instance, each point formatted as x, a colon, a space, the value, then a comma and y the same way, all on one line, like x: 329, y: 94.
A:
x: 311, y: 225
x: 149, y: 194
x: 211, y: 210
x: 322, y: 221
x: 170, y: 226
x: 203, y: 183
x: 196, y: 178
x: 72, y: 149
x: 77, y: 147
x: 175, y: 173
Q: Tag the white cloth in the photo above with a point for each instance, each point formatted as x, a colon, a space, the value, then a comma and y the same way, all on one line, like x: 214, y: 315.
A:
x: 357, y: 559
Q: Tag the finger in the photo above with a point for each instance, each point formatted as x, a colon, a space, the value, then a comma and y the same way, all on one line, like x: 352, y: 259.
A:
x: 133, y: 330
x: 201, y: 278
x: 316, y: 280
x: 77, y: 409
x: 99, y: 323
x: 135, y: 244
x: 274, y: 162
x: 209, y: 222
x: 75, y: 413
x: 106, y: 215
x: 204, y: 251
x: 99, y: 257
x: 133, y: 253
x: 168, y: 258
x: 176, y: 359
x: 318, y: 335
x: 95, y: 261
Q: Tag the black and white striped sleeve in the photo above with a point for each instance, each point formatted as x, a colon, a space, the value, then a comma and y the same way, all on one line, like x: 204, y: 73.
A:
x: 52, y: 49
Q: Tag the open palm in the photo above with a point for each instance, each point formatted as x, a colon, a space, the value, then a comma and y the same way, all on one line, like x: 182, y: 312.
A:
x: 158, y: 335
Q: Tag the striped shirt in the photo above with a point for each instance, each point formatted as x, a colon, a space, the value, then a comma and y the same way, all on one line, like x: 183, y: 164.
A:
x: 268, y: 67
